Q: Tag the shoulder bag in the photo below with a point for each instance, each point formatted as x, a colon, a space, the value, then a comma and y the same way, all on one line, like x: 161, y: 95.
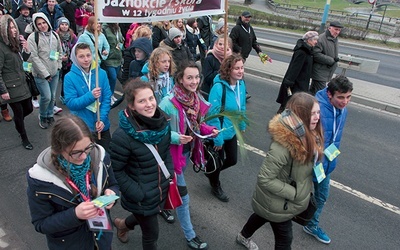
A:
x: 31, y: 84
x: 174, y: 199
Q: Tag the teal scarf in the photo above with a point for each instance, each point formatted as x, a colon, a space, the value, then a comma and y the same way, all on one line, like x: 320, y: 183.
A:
x: 76, y: 172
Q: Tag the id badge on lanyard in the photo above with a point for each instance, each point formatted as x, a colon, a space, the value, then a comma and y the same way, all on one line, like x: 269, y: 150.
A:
x: 331, y: 152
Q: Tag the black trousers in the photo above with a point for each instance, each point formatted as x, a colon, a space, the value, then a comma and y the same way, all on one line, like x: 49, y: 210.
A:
x: 282, y: 231
x: 229, y: 154
x: 21, y: 109
x: 105, y: 139
x: 149, y: 227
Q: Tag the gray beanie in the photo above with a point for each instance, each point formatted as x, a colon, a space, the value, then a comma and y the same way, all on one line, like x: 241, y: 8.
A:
x: 62, y: 20
x: 174, y: 32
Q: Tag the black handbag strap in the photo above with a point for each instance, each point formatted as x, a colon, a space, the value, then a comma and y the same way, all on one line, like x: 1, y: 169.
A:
x: 94, y: 44
x: 223, y: 98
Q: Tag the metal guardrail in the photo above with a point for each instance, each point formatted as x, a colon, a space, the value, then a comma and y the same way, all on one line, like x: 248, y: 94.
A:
x: 353, y: 62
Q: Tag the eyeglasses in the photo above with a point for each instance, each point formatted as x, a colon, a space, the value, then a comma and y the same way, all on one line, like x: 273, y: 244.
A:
x: 78, y: 153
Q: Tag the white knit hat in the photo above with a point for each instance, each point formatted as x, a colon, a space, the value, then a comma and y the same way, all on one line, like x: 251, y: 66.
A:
x: 174, y: 32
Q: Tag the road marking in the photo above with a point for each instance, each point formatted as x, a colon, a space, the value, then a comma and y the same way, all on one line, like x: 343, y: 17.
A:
x: 3, y: 244
x: 373, y: 200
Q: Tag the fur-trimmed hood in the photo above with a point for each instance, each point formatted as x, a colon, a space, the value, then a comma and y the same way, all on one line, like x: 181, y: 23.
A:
x: 4, y: 28
x: 282, y: 134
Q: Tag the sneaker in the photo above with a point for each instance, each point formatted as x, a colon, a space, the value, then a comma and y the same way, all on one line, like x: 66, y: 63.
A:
x: 50, y: 121
x: 219, y: 193
x: 113, y: 98
x: 35, y: 103
x: 318, y: 233
x: 197, y: 243
x: 43, y: 122
x: 248, y: 97
x: 168, y: 217
x: 247, y: 242
x: 56, y: 110
x: 112, y: 102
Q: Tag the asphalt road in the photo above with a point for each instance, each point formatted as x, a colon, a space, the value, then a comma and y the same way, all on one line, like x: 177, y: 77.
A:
x: 368, y: 164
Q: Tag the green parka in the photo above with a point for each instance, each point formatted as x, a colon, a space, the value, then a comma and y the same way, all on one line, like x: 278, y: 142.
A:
x: 273, y: 187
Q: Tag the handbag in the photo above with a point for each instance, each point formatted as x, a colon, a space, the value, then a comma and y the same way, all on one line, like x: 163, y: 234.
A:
x: 174, y: 199
x: 31, y: 84
x: 304, y: 217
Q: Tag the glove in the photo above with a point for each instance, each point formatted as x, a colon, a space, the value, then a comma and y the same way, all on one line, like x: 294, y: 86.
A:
x: 264, y: 58
x: 336, y: 59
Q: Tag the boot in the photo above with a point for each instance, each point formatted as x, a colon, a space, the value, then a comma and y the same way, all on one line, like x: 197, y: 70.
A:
x: 219, y: 193
x: 6, y: 115
x: 122, y: 230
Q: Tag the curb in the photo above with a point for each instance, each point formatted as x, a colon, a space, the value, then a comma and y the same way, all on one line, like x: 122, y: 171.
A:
x: 355, y: 98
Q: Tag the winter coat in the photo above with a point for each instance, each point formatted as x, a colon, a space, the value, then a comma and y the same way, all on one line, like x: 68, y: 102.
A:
x: 178, y: 126
x: 58, y: 12
x: 273, y: 187
x: 324, y: 54
x: 180, y: 53
x: 210, y: 70
x: 327, y: 120
x: 67, y: 45
x: 193, y: 40
x: 12, y: 75
x: 69, y: 12
x: 204, y: 23
x: 231, y: 104
x: 88, y: 37
x: 136, y: 66
x: 244, y: 38
x: 42, y: 65
x: 298, y: 74
x: 116, y: 44
x: 142, y: 183
x: 52, y: 203
x: 78, y: 96
x: 159, y: 34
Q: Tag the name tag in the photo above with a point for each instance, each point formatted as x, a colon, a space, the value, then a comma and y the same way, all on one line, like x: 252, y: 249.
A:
x: 93, y: 107
x: 54, y: 55
x: 27, y: 67
x: 319, y: 172
x: 331, y: 152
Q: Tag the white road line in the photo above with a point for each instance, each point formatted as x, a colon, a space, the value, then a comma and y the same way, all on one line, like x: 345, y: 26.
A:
x: 344, y: 188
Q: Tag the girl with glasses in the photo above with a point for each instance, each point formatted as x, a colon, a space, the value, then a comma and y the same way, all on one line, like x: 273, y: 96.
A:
x: 62, y: 185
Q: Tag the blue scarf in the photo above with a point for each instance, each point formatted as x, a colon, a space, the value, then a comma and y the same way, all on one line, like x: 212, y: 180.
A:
x: 76, y: 172
x: 151, y: 136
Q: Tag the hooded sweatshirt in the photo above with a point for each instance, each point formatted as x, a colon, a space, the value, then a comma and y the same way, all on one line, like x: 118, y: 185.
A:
x: 48, y: 43
x: 135, y: 67
x: 78, y: 94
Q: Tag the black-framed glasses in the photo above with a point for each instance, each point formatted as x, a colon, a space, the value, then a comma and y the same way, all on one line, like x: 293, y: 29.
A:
x: 78, y: 153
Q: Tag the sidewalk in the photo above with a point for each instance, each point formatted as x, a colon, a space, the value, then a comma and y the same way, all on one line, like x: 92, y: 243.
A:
x: 366, y: 93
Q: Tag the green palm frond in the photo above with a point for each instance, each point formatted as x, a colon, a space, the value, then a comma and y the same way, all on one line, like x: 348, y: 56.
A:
x: 236, y: 118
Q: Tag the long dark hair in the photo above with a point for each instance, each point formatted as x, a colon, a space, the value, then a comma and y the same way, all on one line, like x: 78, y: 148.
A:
x: 14, y: 41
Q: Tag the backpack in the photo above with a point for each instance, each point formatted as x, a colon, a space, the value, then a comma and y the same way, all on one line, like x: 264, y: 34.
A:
x: 37, y: 37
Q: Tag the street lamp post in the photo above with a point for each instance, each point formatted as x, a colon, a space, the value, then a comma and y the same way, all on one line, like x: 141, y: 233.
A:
x: 325, y: 16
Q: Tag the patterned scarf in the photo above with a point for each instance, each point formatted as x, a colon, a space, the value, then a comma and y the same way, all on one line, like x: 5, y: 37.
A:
x: 76, y: 172
x: 190, y: 104
x: 141, y: 128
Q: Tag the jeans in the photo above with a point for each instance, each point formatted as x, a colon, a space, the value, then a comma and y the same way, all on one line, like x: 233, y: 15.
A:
x: 282, y: 231
x: 112, y: 73
x: 321, y: 194
x: 182, y: 211
x: 149, y: 227
x: 47, y: 95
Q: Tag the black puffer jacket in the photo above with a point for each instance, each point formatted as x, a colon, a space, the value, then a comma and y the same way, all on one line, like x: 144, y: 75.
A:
x: 143, y: 185
x: 210, y: 70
